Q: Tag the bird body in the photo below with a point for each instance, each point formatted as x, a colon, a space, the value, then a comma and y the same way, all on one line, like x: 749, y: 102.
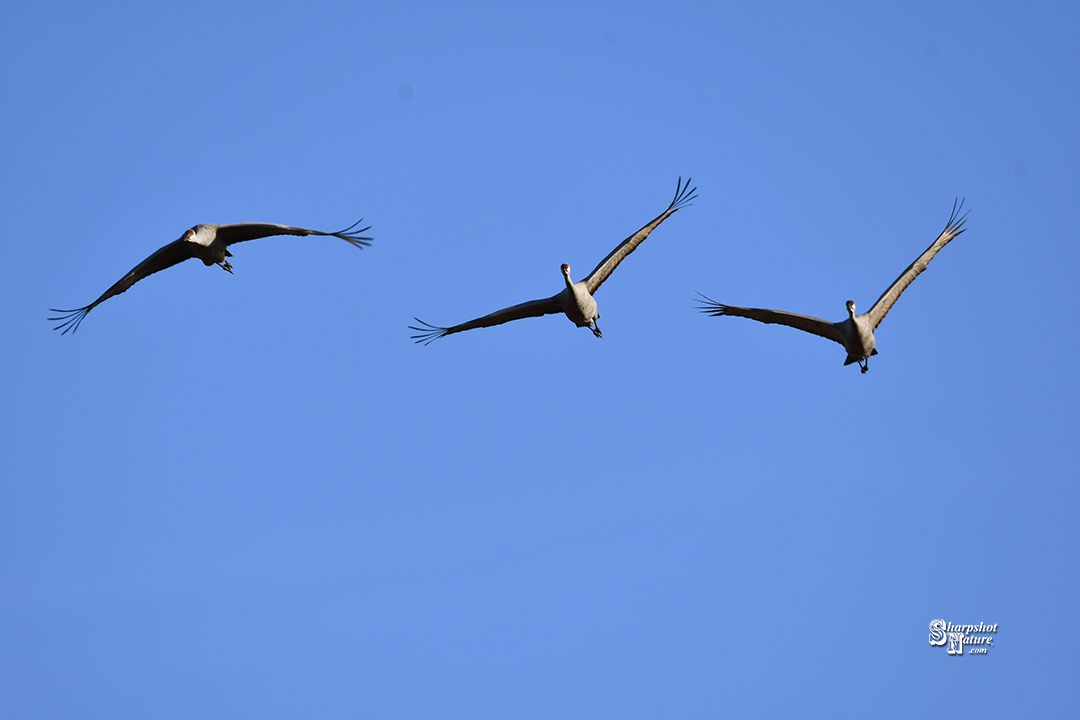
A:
x: 578, y: 303
x: 207, y: 246
x: 856, y: 333
x: 576, y: 300
x: 207, y: 242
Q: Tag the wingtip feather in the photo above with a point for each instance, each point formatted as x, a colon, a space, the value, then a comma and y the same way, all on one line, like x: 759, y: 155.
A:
x: 353, y: 236
x: 427, y: 334
x: 69, y: 319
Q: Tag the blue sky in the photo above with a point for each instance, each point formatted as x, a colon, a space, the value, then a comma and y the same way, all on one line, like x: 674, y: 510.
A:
x: 254, y: 496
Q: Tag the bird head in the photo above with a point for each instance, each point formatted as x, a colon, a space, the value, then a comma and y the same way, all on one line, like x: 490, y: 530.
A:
x: 851, y: 307
x: 202, y: 234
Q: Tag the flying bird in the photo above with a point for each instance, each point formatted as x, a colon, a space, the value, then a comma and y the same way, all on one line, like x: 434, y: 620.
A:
x: 576, y: 299
x: 856, y: 333
x: 207, y: 242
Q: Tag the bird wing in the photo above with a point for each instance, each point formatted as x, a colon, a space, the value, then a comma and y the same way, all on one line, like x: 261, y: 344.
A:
x: 240, y: 232
x: 683, y: 196
x: 890, y: 296
x: 173, y: 253
x: 533, y: 308
x: 805, y: 323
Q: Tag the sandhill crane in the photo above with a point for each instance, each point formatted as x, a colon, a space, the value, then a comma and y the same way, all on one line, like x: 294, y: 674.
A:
x: 576, y: 299
x: 856, y: 333
x: 208, y: 243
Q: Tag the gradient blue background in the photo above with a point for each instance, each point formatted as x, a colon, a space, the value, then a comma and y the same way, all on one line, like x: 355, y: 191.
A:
x: 253, y: 496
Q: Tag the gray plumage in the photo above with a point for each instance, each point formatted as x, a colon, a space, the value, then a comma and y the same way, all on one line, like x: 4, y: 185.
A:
x: 207, y: 242
x: 576, y: 299
x: 856, y: 333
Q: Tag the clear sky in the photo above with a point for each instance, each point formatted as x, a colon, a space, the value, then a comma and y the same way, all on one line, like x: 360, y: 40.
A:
x: 254, y: 496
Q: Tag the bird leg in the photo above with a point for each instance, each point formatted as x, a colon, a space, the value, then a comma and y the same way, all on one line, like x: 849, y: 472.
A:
x: 226, y: 266
x: 864, y: 364
x: 596, y: 330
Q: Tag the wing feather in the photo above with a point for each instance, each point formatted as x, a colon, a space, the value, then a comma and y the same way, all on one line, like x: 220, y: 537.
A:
x: 806, y: 323
x: 534, y: 308
x: 683, y: 196
x: 242, y: 232
x: 173, y: 253
x: 889, y: 297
